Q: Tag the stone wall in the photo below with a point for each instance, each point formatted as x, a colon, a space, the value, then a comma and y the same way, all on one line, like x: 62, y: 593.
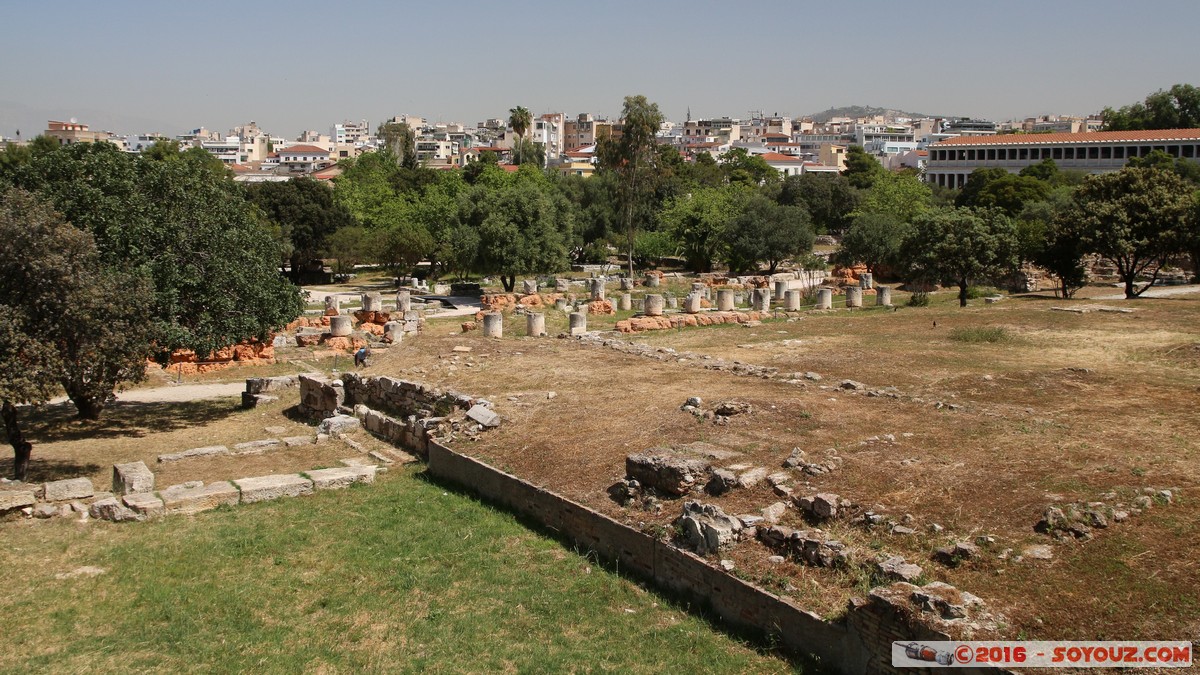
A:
x: 860, y: 642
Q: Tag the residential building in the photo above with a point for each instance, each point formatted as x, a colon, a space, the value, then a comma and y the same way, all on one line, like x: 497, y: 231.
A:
x: 580, y: 162
x: 351, y: 133
x: 969, y: 127
x: 69, y: 133
x: 583, y: 131
x: 720, y: 129
x: 138, y: 143
x: 303, y: 159
x: 951, y: 161
x: 833, y: 154
x: 788, y: 165
x: 436, y: 153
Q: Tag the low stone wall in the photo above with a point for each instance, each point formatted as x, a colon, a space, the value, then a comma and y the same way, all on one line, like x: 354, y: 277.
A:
x: 859, y: 643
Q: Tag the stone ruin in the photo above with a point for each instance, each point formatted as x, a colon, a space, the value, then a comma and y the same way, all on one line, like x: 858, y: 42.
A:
x: 404, y: 413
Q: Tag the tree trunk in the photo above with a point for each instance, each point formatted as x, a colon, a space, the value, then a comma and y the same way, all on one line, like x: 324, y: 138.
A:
x: 1130, y: 294
x: 88, y: 407
x: 21, y: 447
x: 962, y: 292
x: 509, y: 281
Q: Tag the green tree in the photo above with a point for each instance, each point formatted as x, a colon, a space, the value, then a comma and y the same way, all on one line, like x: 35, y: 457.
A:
x: 399, y: 144
x: 162, y: 150
x: 1136, y: 219
x: 633, y: 158
x: 187, y: 227
x: 520, y: 119
x: 1045, y: 170
x: 522, y: 229
x: 699, y: 222
x: 874, y: 240
x: 764, y: 231
x: 69, y: 321
x: 1157, y: 159
x: 979, y: 178
x: 1175, y: 108
x: 960, y: 245
x: 305, y: 210
x: 1009, y: 193
x: 1049, y: 241
x: 901, y: 195
x: 651, y: 247
x: 526, y: 151
x: 862, y: 170
x: 741, y: 167
x: 349, y: 247
x: 829, y: 199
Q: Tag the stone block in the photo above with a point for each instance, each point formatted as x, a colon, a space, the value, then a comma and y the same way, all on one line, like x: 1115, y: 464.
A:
x: 296, y: 441
x: 340, y: 477
x: 264, y: 488
x: 145, y: 504
x: 484, y: 415
x: 264, y: 385
x: 111, y: 509
x: 16, y: 499
x: 196, y: 499
x: 255, y: 447
x: 206, y: 451
x: 338, y: 424
x: 132, y: 477
x: 670, y: 475
x: 72, y: 488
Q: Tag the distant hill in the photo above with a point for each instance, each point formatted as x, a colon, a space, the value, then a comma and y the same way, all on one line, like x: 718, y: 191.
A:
x: 862, y: 111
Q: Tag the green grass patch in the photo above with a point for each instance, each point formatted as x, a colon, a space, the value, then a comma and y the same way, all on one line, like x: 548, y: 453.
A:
x: 400, y: 576
x: 977, y: 334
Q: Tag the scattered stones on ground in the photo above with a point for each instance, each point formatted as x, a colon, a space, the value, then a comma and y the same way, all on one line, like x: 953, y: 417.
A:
x: 705, y: 528
x: 810, y: 547
x: 65, y: 490
x: 132, y: 477
x: 206, y: 451
x: 956, y: 554
x: 895, y: 568
x: 664, y: 472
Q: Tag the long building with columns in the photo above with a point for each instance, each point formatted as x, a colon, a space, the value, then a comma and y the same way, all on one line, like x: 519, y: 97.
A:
x: 951, y: 161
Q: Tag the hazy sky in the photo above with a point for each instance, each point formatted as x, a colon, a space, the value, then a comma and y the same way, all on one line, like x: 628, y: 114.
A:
x: 134, y: 66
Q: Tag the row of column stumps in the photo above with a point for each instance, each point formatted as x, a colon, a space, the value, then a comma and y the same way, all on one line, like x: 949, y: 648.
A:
x: 654, y: 304
x: 372, y: 302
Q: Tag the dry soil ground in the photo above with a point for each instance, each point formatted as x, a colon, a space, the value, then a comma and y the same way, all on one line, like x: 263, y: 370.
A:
x: 1064, y: 408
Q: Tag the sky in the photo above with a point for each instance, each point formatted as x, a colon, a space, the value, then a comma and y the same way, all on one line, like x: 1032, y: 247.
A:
x: 134, y: 66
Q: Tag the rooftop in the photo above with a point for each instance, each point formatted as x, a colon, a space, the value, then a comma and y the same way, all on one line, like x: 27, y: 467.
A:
x: 1089, y: 137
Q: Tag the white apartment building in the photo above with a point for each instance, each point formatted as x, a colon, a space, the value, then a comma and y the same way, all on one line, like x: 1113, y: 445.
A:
x: 303, y: 159
x: 351, y: 133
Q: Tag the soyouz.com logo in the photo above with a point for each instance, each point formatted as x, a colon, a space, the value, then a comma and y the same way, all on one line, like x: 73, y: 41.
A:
x: 1042, y: 654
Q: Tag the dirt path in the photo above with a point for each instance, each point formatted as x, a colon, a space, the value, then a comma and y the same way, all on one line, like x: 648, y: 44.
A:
x: 1158, y: 292
x: 177, y: 393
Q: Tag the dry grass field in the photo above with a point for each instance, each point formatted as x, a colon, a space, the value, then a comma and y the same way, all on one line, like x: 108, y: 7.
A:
x: 1060, y: 408
x: 999, y: 410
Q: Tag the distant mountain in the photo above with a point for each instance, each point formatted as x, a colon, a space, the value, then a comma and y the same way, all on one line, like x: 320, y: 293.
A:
x: 862, y: 111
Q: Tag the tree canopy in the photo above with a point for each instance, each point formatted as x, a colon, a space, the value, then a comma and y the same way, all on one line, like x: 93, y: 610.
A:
x: 1136, y: 219
x: 959, y: 245
x: 1174, y: 108
x: 633, y: 157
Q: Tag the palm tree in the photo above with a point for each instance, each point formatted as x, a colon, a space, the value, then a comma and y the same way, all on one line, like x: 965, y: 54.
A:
x: 519, y: 118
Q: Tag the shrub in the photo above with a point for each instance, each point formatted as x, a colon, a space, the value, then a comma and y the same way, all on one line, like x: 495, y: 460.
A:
x: 977, y: 292
x: 979, y: 334
x: 918, y: 299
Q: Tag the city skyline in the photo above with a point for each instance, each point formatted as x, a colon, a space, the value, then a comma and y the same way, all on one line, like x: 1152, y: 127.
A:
x: 138, y: 67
